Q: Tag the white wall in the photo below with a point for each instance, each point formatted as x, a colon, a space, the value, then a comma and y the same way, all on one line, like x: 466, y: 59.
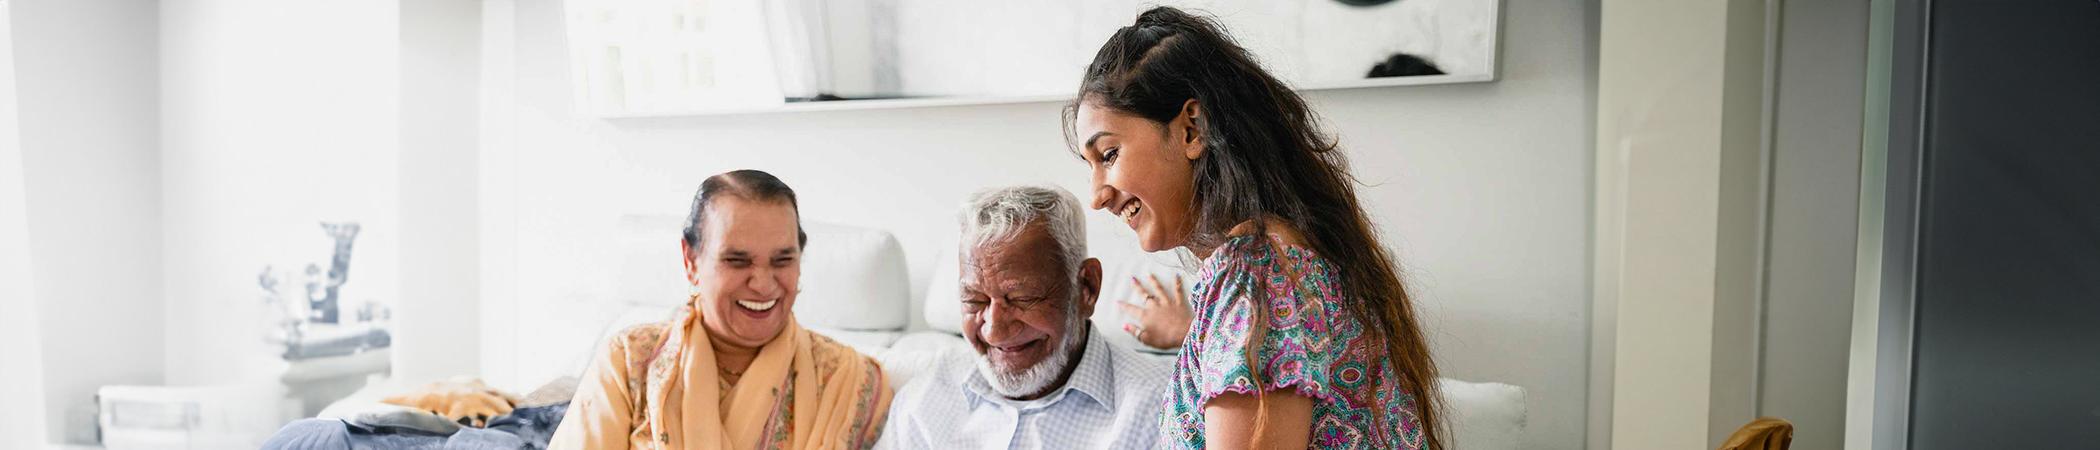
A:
x: 20, y: 340
x: 1679, y: 90
x: 286, y: 114
x: 1483, y: 189
x: 90, y: 159
x: 440, y: 267
x: 277, y: 115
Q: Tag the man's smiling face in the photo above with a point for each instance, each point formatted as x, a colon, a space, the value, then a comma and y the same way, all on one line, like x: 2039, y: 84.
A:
x: 1019, y: 309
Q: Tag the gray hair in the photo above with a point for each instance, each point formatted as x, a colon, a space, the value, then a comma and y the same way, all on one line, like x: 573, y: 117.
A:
x: 1001, y: 213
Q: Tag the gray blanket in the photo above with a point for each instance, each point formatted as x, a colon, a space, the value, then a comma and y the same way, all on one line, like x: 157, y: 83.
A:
x: 524, y: 429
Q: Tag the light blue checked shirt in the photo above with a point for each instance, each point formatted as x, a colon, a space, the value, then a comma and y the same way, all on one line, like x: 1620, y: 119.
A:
x: 1112, y: 401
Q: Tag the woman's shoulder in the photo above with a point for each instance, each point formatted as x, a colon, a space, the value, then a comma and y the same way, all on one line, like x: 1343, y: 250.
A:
x: 641, y: 337
x: 1274, y: 229
x: 1277, y: 252
x: 1300, y: 288
x: 635, y: 347
x: 833, y: 356
x: 1264, y: 240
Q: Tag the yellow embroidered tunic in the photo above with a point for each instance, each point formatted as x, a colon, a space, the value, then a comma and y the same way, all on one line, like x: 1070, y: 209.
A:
x: 656, y: 387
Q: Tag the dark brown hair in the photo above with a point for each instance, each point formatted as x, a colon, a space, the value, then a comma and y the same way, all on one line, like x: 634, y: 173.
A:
x: 748, y: 184
x: 1264, y: 157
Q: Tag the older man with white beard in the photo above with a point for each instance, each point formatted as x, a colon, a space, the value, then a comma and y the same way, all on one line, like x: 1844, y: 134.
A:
x: 1043, y: 376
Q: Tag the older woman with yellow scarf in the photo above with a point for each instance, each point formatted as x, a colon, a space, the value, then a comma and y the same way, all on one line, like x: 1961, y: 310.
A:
x: 731, y: 369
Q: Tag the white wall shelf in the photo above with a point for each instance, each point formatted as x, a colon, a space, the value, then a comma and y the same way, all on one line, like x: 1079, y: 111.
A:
x: 905, y: 103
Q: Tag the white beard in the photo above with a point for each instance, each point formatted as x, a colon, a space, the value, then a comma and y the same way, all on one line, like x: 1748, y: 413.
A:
x: 1036, y: 378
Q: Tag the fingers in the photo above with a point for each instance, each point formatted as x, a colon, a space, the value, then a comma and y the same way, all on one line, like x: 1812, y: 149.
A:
x: 1145, y: 294
x: 1159, y: 289
x: 1132, y: 330
x: 1179, y: 290
x: 1132, y: 312
x: 1157, y: 293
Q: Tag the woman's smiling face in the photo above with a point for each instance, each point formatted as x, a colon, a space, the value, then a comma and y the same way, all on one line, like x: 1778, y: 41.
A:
x: 747, y: 269
x: 1141, y: 171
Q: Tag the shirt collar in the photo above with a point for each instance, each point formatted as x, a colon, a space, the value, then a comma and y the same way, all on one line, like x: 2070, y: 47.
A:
x: 1094, y: 378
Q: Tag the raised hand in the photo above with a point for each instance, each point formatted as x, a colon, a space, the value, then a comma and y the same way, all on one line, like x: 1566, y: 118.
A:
x: 1159, y: 317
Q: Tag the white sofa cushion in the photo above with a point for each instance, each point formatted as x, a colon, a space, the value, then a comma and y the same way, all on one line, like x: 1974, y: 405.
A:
x: 942, y: 305
x: 1486, y: 416
x: 649, y: 270
x: 853, y: 278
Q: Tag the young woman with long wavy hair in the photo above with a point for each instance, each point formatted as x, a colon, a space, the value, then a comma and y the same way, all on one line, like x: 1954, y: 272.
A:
x: 1302, y: 334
